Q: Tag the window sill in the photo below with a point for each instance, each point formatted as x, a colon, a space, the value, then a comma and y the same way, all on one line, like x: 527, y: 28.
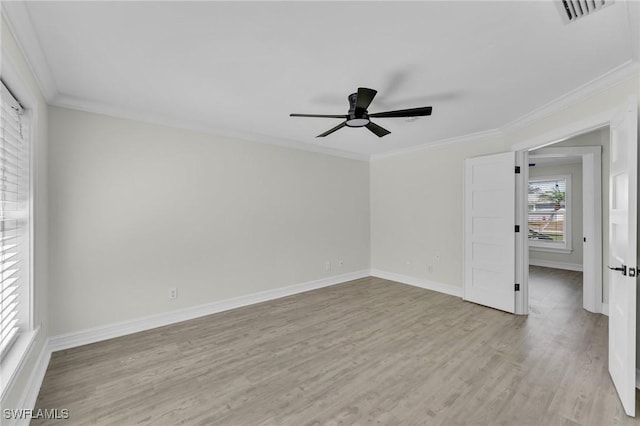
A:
x: 550, y: 249
x: 12, y: 361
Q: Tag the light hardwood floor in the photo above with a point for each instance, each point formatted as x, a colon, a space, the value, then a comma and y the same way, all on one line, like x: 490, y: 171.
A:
x: 363, y: 352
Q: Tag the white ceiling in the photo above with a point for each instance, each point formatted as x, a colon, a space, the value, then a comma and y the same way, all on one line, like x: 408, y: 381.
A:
x: 240, y: 68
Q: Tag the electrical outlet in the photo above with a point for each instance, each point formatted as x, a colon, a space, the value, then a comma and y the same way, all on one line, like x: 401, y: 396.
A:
x: 429, y: 268
x: 340, y: 263
x: 173, y: 293
x: 327, y: 265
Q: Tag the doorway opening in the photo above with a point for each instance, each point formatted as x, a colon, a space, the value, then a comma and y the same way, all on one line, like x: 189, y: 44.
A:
x: 554, y: 293
x: 565, y: 216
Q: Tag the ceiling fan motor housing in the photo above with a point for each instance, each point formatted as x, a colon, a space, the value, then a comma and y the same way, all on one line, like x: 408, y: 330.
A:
x: 357, y: 117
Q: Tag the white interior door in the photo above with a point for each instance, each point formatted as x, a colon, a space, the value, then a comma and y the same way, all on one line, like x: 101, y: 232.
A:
x: 622, y: 254
x: 489, y: 236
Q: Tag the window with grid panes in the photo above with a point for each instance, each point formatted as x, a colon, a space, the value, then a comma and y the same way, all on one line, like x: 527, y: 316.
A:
x: 548, y: 212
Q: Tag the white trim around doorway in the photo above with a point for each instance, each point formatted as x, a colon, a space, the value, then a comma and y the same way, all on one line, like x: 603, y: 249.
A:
x: 593, y: 296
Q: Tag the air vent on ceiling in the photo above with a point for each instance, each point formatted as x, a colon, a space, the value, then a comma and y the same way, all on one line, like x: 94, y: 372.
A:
x: 571, y: 10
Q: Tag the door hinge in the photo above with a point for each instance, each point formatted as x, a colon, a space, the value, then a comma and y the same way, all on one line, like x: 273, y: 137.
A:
x: 517, y: 228
x: 517, y: 287
x: 632, y: 272
x: 517, y: 169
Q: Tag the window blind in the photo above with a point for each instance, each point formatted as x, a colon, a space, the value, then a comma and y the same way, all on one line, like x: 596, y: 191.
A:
x: 547, y: 210
x: 14, y: 198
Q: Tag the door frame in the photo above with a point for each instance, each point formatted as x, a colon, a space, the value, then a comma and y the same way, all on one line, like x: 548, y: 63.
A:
x: 584, y: 125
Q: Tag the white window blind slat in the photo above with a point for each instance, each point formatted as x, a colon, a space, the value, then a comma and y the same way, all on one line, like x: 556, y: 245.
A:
x: 10, y: 206
x: 10, y: 201
x: 8, y: 278
x: 8, y: 335
x: 4, y: 171
x: 12, y: 194
x: 12, y: 130
x: 9, y: 319
x: 12, y: 134
x: 9, y: 231
x: 10, y: 141
x: 9, y: 185
x: 7, y: 247
x: 8, y: 179
x: 6, y: 266
x: 5, y: 238
x: 14, y: 197
x: 11, y: 148
x: 11, y: 145
x: 10, y: 164
x: 9, y: 295
x: 6, y: 153
x: 7, y: 256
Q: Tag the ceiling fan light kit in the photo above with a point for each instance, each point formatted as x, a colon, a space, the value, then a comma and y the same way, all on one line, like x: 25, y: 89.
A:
x: 358, y: 116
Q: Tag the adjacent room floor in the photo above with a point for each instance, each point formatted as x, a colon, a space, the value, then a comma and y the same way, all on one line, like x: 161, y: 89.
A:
x: 367, y: 351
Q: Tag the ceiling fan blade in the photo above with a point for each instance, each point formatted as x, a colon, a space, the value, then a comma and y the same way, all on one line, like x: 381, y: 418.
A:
x: 364, y: 98
x: 328, y: 132
x: 379, y: 131
x: 411, y: 112
x: 318, y: 115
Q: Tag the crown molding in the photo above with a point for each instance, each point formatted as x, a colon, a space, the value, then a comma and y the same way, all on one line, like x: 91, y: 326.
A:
x: 472, y: 137
x: 17, y: 18
x: 19, y: 22
x: 591, y: 88
x: 197, y: 126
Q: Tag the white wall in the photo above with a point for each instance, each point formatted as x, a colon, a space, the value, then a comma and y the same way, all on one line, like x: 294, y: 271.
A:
x: 17, y: 75
x: 574, y: 258
x: 139, y: 208
x: 416, y: 197
x: 416, y: 211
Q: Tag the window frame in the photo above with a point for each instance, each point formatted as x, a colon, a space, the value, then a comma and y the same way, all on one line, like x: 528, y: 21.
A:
x: 555, y: 247
x: 12, y: 361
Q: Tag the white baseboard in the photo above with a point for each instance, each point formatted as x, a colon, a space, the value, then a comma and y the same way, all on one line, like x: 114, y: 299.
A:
x: 97, y: 334
x: 605, y: 309
x: 418, y: 282
x: 556, y: 265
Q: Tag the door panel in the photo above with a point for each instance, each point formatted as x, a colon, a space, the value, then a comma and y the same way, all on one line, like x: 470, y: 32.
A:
x: 623, y: 185
x: 489, y: 246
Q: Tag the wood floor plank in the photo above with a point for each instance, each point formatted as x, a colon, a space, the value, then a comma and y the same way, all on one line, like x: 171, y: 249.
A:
x: 364, y: 352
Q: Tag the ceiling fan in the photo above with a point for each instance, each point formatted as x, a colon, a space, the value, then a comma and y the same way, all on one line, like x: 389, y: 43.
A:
x: 358, y: 116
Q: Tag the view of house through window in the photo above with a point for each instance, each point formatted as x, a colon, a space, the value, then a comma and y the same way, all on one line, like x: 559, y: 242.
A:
x: 548, y: 218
